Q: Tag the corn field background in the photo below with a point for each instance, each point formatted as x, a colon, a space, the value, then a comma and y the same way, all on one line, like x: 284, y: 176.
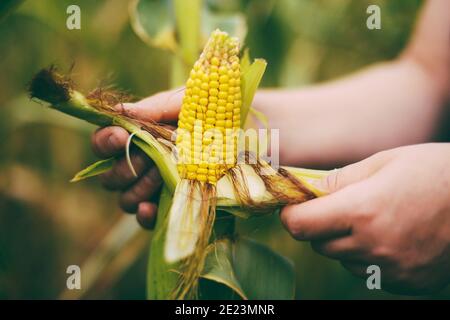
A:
x: 47, y: 224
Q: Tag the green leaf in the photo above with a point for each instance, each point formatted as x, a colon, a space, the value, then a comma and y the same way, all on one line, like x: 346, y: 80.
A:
x: 188, y: 19
x: 262, y: 273
x: 231, y: 22
x: 94, y: 169
x: 219, y: 268
x: 245, y: 61
x: 161, y: 276
x: 8, y: 6
x: 250, y: 80
x: 162, y: 157
x: 153, y: 23
x: 250, y: 269
x: 212, y: 290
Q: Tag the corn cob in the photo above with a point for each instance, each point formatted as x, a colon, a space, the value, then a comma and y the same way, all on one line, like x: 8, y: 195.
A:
x: 206, y: 142
x: 210, y: 112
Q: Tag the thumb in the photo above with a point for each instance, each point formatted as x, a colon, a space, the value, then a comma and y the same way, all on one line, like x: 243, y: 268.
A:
x: 163, y: 107
x: 340, y: 178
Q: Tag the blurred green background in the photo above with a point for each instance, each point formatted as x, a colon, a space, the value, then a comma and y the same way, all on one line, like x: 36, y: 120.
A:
x: 46, y: 223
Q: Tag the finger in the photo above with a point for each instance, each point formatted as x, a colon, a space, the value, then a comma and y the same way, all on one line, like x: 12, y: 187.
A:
x: 322, y: 218
x: 162, y: 107
x: 330, y: 216
x: 109, y: 141
x: 146, y: 215
x: 141, y: 191
x: 340, y: 178
x: 121, y: 176
x: 338, y: 248
x: 357, y: 268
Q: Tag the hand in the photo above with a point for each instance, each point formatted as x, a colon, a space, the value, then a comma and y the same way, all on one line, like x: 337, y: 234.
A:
x: 391, y: 210
x: 138, y: 194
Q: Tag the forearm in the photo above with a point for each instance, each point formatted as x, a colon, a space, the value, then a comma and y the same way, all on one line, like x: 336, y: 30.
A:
x: 384, y: 106
x: 381, y: 107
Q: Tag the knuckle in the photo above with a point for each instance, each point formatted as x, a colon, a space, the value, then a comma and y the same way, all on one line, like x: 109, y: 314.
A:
x: 147, y: 182
x: 382, y: 253
x: 94, y: 136
x: 140, y: 160
x: 96, y: 143
x: 331, y: 180
x: 122, y: 171
x: 365, y: 210
x: 153, y: 177
x: 127, y: 202
x: 139, y: 192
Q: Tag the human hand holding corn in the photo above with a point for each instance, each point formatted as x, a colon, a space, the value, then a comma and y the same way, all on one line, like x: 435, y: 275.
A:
x: 391, y: 210
x: 135, y: 191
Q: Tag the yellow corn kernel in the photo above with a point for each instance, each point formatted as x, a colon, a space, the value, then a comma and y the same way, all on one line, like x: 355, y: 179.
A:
x: 223, y: 79
x: 221, y: 109
x: 212, y: 101
x: 223, y: 95
x: 214, y: 76
x: 214, y: 84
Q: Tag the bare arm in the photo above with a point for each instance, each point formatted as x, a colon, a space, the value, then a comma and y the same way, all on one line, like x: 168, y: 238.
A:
x: 381, y: 107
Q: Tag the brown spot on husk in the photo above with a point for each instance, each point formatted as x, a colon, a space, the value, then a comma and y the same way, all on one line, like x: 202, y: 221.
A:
x: 281, y: 184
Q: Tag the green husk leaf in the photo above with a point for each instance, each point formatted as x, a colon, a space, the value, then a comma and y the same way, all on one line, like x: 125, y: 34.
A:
x: 187, y: 21
x: 219, y: 266
x: 252, y: 270
x: 187, y: 17
x: 238, y: 212
x: 261, y: 117
x: 127, y: 154
x: 231, y: 22
x: 261, y: 272
x: 309, y: 178
x: 94, y: 169
x: 162, y: 158
x: 153, y: 23
x: 250, y: 80
x: 161, y: 276
x: 245, y: 60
